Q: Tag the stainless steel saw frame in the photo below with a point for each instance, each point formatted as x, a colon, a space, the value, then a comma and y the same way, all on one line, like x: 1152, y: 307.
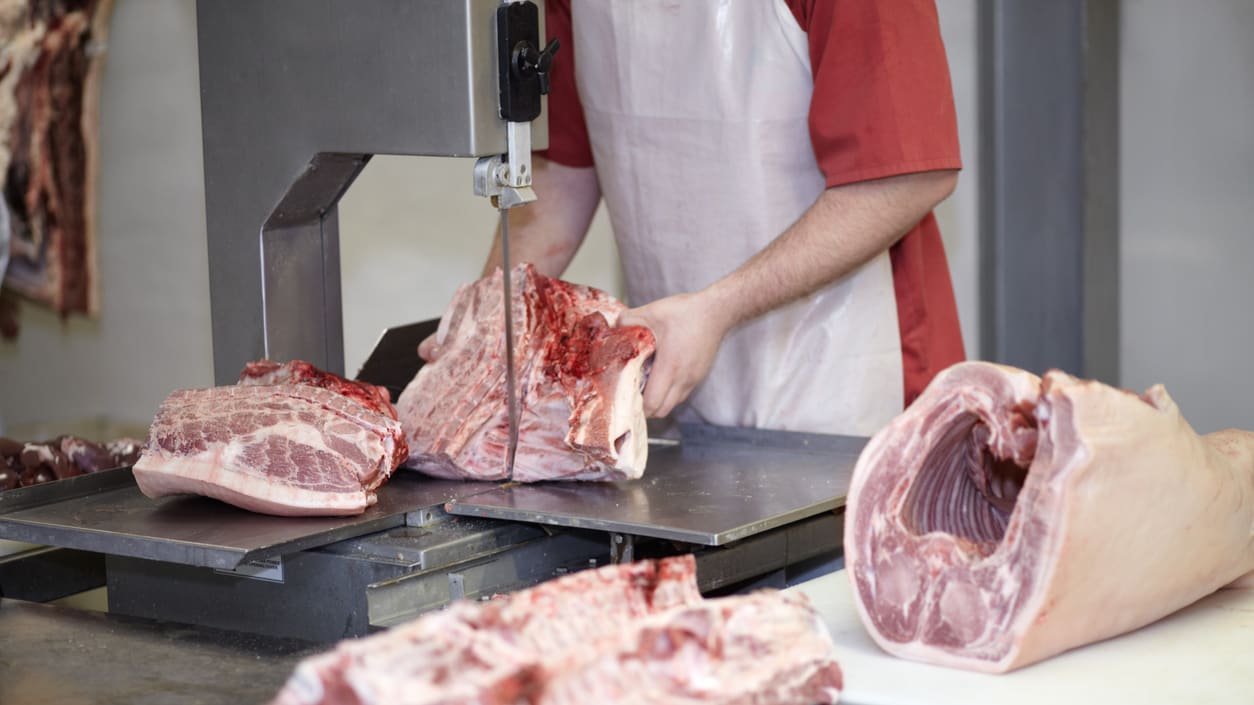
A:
x: 296, y: 95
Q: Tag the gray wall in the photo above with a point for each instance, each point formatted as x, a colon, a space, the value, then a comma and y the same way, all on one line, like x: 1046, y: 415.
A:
x: 1187, y: 205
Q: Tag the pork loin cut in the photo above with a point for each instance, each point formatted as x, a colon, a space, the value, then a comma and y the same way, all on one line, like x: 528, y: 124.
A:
x: 286, y: 449
x: 1003, y: 518
x: 579, y: 382
x: 635, y: 633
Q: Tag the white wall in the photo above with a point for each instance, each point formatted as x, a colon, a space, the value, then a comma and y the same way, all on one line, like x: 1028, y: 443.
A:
x: 1187, y: 205
x: 411, y: 232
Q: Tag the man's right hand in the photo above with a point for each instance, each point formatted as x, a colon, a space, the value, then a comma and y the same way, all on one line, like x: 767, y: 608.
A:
x: 429, y: 350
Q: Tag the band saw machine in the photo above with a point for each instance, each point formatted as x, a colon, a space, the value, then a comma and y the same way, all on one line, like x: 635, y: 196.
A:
x: 297, y: 95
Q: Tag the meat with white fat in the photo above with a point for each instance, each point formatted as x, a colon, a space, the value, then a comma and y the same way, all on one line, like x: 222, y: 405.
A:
x: 578, y: 378
x: 1003, y: 518
x: 268, y: 372
x: 632, y: 633
x: 285, y: 449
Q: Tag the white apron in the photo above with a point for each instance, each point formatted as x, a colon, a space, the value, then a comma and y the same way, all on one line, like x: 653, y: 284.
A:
x: 697, y: 114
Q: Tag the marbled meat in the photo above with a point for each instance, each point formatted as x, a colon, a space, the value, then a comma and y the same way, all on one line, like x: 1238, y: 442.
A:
x: 291, y: 449
x: 1005, y: 518
x: 268, y: 372
x: 632, y: 633
x: 579, y: 382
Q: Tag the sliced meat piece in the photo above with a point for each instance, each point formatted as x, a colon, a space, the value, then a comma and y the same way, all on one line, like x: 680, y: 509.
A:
x: 1003, y: 518
x: 637, y: 633
x: 267, y: 372
x: 289, y: 449
x: 46, y: 459
x: 763, y: 648
x: 579, y: 386
x: 85, y: 455
x: 124, y: 451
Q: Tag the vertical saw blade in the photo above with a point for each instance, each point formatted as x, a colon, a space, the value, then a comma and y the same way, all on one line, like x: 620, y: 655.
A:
x: 510, y: 380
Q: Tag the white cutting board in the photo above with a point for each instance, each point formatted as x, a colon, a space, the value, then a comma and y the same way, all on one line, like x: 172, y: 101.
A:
x: 1200, y: 655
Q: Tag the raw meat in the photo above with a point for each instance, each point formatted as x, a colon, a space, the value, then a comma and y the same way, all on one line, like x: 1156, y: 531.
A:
x: 85, y: 455
x: 267, y: 372
x: 51, y: 57
x: 1003, y: 518
x: 579, y: 385
x: 636, y: 633
x: 286, y: 449
x: 34, y: 463
x: 125, y: 451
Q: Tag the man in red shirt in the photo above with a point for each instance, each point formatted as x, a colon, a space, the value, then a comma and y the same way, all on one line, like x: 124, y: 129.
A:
x: 770, y: 170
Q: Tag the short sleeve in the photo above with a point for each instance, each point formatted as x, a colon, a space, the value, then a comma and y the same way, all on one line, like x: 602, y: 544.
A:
x: 568, y: 133
x: 882, y: 102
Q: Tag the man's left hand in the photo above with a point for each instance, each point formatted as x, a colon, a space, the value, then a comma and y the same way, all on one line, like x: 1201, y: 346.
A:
x: 689, y: 329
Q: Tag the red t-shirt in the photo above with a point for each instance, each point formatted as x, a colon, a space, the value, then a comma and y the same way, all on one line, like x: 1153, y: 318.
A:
x: 882, y: 106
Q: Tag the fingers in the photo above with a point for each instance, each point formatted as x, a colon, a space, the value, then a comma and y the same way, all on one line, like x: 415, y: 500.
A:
x: 665, y: 390
x: 631, y: 319
x: 657, y: 388
x: 428, y: 349
x: 673, y: 397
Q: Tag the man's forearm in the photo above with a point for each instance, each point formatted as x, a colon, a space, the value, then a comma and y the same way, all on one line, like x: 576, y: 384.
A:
x: 548, y: 232
x: 846, y: 227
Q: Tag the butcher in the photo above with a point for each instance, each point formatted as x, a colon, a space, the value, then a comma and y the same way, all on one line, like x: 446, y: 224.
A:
x: 770, y: 170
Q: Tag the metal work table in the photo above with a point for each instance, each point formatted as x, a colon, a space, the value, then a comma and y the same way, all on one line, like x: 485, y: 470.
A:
x: 717, y: 486
x: 748, y: 503
x: 714, y: 487
x: 60, y: 656
x: 106, y: 512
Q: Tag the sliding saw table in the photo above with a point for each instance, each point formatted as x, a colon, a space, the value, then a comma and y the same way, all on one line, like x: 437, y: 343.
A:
x: 748, y: 503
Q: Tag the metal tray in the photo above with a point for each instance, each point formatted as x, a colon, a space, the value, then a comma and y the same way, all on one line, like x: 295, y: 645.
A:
x: 106, y: 512
x: 715, y: 486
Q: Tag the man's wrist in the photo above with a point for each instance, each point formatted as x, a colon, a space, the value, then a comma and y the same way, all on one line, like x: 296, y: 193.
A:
x: 722, y: 304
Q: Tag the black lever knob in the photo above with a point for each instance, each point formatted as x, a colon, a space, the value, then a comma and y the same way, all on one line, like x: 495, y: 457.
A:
x: 528, y: 62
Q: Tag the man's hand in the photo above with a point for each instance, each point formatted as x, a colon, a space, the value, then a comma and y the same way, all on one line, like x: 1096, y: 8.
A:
x: 428, y: 349
x: 689, y: 329
x: 846, y: 227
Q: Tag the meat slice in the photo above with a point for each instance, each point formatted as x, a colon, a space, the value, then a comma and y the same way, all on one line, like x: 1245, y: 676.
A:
x: 579, y: 382
x: 1003, y: 518
x: 637, y: 633
x: 763, y: 648
x: 286, y: 449
x: 268, y: 372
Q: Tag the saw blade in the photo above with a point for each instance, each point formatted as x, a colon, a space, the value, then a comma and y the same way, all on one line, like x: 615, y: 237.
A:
x: 510, y: 383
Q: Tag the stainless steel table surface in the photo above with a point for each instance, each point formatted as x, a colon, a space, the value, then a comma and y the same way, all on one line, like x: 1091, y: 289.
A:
x: 107, y: 513
x: 716, y: 486
x: 53, y: 655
